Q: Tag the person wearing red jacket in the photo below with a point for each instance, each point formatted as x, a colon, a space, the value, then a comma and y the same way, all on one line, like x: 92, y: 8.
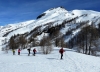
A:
x: 19, y: 51
x: 34, y: 51
x: 61, y: 51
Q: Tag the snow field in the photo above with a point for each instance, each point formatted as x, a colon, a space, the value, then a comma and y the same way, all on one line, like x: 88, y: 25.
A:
x: 72, y: 62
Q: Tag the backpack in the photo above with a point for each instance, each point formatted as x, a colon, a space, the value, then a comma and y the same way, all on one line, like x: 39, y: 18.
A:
x: 34, y: 50
x: 61, y: 50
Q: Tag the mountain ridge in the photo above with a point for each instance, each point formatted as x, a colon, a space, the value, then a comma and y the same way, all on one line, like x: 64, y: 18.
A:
x: 54, y: 16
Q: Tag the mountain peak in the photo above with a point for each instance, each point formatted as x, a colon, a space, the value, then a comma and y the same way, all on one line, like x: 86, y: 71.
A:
x: 60, y: 7
x: 56, y: 11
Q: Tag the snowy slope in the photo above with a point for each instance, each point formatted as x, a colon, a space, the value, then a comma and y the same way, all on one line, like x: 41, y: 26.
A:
x: 10, y: 27
x: 72, y: 62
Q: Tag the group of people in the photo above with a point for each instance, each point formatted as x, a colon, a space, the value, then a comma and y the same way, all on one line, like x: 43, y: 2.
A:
x: 61, y: 51
x: 34, y: 51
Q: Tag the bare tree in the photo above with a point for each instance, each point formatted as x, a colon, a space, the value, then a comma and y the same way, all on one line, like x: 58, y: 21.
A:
x: 22, y: 41
x: 46, y: 45
x: 87, y: 37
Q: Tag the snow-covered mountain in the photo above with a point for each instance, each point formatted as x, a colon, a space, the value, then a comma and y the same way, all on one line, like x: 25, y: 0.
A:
x: 12, y: 27
x: 53, y: 17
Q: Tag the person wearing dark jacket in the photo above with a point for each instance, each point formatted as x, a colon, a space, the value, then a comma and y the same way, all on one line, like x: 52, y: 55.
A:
x: 34, y: 51
x: 28, y: 51
x: 61, y: 51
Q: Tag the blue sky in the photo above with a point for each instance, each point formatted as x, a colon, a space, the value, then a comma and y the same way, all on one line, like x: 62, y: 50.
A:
x: 13, y: 11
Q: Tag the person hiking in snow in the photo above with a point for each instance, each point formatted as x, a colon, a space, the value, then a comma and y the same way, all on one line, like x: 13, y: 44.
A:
x: 19, y: 51
x: 13, y: 51
x: 28, y: 51
x: 61, y: 51
x: 34, y: 51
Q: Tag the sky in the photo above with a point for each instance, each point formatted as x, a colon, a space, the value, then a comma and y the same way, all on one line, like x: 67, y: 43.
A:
x: 13, y: 11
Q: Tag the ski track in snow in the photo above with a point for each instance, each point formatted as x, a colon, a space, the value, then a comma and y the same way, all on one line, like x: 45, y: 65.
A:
x: 72, y: 62
x: 76, y: 64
